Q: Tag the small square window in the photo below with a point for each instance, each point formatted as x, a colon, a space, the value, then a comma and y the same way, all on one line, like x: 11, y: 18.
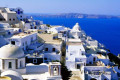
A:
x: 13, y: 42
x: 46, y: 49
x: 34, y: 60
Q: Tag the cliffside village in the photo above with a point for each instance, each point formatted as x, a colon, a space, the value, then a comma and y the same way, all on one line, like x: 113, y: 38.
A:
x: 32, y: 50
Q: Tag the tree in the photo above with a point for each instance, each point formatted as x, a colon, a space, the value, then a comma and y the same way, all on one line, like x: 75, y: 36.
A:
x: 66, y: 74
x: 47, y: 25
x: 114, y: 58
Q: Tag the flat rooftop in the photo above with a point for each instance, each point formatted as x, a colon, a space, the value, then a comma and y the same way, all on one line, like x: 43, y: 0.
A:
x: 73, y: 43
x: 74, y: 40
x: 54, y: 42
x: 22, y: 35
x: 48, y: 39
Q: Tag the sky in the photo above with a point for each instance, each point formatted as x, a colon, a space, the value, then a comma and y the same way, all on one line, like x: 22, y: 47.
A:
x: 107, y: 7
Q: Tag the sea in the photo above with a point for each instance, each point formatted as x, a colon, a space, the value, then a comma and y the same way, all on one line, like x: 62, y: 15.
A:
x: 105, y: 31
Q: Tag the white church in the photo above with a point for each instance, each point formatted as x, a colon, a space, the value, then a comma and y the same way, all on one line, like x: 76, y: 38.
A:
x: 12, y: 59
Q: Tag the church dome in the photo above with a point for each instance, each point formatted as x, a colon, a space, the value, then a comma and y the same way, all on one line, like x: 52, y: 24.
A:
x: 76, y: 27
x: 11, y: 51
x: 12, y: 74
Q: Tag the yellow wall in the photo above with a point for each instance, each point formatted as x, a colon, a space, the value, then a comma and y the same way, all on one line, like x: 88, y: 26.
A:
x: 5, y: 78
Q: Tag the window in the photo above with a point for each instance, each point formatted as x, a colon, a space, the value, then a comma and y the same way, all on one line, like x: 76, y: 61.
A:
x: 34, y: 60
x: 20, y: 30
x: 90, y: 62
x: 53, y: 49
x: 46, y: 49
x: 9, y: 19
x: 9, y: 33
x: 18, y: 9
x: 78, y: 66
x: 20, y: 63
x: 10, y: 65
x: 82, y: 53
x: 26, y: 43
x: 45, y: 58
x: 13, y: 42
x: 21, y: 12
x: 23, y: 44
x: 35, y: 27
x: 94, y: 59
x: 13, y: 19
x: 31, y: 39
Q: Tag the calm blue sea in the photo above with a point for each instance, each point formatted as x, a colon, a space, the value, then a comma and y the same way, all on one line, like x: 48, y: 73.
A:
x: 106, y: 31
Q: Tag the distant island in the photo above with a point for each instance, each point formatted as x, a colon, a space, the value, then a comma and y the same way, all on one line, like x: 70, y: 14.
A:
x: 73, y: 15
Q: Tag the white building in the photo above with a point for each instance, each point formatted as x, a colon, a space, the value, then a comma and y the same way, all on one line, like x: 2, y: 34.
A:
x: 12, y: 58
x: 8, y: 16
x: 24, y: 40
x: 91, y: 42
x: 75, y: 56
x: 97, y: 73
x: 51, y: 71
x: 32, y: 25
x: 43, y: 28
x: 52, y: 51
x: 56, y: 29
x: 52, y: 46
x: 20, y: 13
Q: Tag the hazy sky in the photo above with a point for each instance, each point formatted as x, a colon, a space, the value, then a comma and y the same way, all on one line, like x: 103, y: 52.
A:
x: 110, y: 7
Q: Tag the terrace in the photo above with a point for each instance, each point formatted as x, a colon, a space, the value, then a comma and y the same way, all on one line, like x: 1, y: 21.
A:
x: 98, y: 63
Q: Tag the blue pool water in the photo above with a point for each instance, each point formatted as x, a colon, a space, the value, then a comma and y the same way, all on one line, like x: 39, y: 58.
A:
x: 106, y: 31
